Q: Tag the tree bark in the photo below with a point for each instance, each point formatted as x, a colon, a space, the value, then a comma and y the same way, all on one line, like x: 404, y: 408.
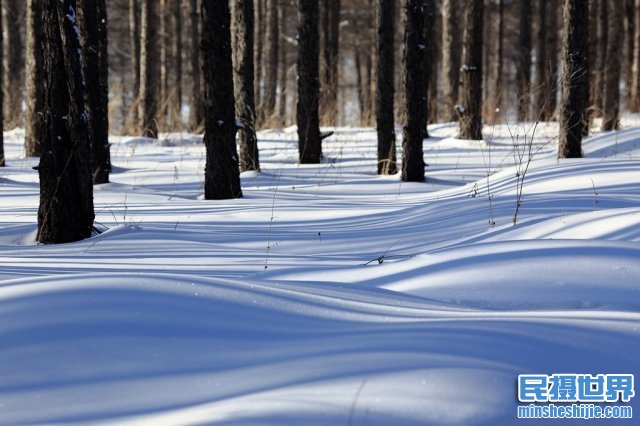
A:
x: 149, y: 71
x: 2, y: 159
x: 196, y: 103
x: 243, y: 36
x: 603, y: 35
x: 259, y: 15
x: 12, y: 13
x: 431, y: 70
x: 575, y: 89
x: 543, y: 83
x: 612, y: 70
x: 134, y: 40
x: 634, y: 102
x: 385, y: 125
x: 271, y: 64
x: 523, y: 66
x: 307, y: 111
x: 283, y: 66
x: 470, y: 110
x: 66, y: 193
x: 498, y: 66
x: 93, y: 30
x: 450, y: 58
x: 177, y: 63
x: 329, y: 80
x: 222, y: 175
x: 414, y: 78
x: 34, y: 76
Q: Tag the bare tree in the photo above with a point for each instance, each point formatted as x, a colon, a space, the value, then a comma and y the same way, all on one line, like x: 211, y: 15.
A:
x: 66, y: 192
x: 634, y: 102
x: 222, y: 176
x: 414, y: 78
x: 611, y: 107
x: 149, y: 71
x: 2, y: 159
x: 307, y: 111
x: 243, y: 36
x: 575, y: 89
x: 134, y: 41
x: 271, y: 62
x: 34, y: 65
x: 523, y: 66
x: 196, y: 102
x: 498, y: 64
x: 470, y: 108
x: 450, y: 58
x: 12, y: 14
x: 329, y: 76
x: 385, y: 126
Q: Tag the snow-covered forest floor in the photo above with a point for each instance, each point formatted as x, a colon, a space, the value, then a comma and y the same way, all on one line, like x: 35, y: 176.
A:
x: 327, y: 295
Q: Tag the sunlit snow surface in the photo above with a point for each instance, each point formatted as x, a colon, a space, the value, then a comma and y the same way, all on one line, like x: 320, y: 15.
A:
x: 274, y: 309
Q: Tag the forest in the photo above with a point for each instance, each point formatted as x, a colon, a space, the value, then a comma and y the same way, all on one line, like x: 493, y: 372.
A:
x: 319, y: 212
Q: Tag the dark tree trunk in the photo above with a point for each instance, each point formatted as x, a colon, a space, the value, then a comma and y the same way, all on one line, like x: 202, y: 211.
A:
x: 196, y: 103
x: 634, y: 102
x: 552, y: 25
x: 66, y: 193
x: 414, y: 78
x: 543, y: 86
x: 177, y: 63
x: 630, y: 25
x: 523, y: 66
x: 329, y: 81
x: 385, y: 125
x: 34, y: 76
x: 2, y: 159
x: 149, y: 71
x: 307, y: 111
x: 603, y: 35
x: 93, y: 29
x: 222, y: 175
x: 431, y: 70
x: 243, y: 36
x: 164, y: 36
x: 271, y: 65
x: 12, y: 13
x: 498, y: 87
x: 612, y: 70
x: 283, y: 66
x: 450, y: 58
x: 134, y: 40
x: 470, y: 110
x: 259, y: 15
x: 575, y: 89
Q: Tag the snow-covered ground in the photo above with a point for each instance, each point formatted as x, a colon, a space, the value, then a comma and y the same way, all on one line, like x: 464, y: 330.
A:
x: 327, y: 295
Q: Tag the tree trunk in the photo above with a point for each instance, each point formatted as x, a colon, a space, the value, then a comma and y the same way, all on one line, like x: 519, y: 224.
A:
x: 329, y: 80
x: 165, y: 44
x: 385, y: 125
x: 283, y: 66
x: 450, y: 58
x: 307, y: 111
x: 612, y: 70
x: 431, y: 70
x: 630, y: 25
x: 603, y: 35
x: 498, y: 88
x: 575, y: 89
x: 13, y: 63
x: 93, y: 29
x: 149, y: 71
x: 523, y: 66
x: 66, y: 193
x: 259, y: 15
x: 34, y: 76
x: 414, y: 78
x: 176, y: 112
x: 243, y: 36
x: 196, y: 103
x: 470, y: 110
x: 543, y: 88
x: 222, y: 176
x: 134, y: 40
x: 634, y: 103
x: 2, y: 159
x: 271, y: 65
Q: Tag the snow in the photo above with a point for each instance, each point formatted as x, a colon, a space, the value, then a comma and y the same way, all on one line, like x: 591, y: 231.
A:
x: 327, y: 295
